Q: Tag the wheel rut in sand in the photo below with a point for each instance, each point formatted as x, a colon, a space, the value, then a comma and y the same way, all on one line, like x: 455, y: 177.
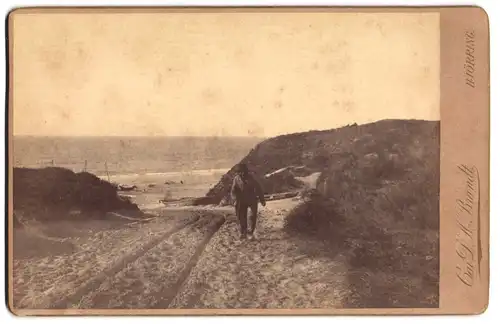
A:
x: 95, y: 282
x: 168, y: 294
x: 154, y: 278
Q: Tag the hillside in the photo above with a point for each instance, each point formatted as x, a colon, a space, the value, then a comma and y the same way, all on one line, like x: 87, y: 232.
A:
x: 58, y: 193
x: 377, y: 201
x: 317, y: 151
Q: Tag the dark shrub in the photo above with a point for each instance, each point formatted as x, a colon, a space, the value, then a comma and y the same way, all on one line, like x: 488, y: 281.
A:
x: 52, y: 193
x: 317, y: 217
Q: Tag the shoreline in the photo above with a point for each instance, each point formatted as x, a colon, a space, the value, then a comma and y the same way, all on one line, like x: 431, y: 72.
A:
x: 196, y: 172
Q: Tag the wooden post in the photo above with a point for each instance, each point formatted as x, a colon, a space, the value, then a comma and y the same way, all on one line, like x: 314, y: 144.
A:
x: 107, y: 172
x: 85, y: 166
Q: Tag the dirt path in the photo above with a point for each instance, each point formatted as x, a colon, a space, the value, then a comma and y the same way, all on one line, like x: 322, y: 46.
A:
x: 272, y: 272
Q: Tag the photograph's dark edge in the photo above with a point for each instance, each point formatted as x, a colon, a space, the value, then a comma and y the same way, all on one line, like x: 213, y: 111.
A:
x: 441, y: 87
x: 7, y: 166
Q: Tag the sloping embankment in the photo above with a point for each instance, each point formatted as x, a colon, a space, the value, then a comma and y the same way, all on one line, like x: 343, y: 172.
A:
x: 56, y: 193
x: 378, y: 201
x: 316, y: 151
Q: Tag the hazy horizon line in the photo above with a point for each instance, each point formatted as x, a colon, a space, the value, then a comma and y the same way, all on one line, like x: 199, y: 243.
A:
x: 222, y: 136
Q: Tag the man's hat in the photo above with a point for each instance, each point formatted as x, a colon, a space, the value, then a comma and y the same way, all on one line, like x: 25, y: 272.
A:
x: 242, y: 167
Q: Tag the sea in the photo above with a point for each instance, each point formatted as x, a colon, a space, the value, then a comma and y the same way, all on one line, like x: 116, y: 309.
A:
x: 123, y: 157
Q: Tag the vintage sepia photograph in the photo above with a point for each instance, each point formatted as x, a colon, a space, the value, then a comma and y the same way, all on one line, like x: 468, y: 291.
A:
x: 224, y: 159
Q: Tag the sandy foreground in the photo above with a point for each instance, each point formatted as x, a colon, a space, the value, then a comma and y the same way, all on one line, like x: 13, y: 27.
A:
x: 184, y: 258
x: 270, y: 272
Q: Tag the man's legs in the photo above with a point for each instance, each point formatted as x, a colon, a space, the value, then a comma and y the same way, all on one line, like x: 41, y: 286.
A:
x: 241, y: 214
x: 253, y: 217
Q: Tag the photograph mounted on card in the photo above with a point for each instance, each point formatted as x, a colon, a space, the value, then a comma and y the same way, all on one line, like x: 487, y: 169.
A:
x: 248, y: 160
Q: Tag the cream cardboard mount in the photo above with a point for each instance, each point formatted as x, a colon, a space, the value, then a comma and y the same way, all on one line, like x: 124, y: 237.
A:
x: 365, y: 132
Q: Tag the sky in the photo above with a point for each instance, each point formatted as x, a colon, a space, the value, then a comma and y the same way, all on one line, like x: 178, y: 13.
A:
x: 219, y: 74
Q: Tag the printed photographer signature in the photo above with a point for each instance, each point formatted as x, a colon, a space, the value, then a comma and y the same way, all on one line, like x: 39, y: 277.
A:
x: 467, y: 206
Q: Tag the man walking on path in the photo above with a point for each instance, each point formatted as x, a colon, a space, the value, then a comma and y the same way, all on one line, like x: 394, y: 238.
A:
x: 247, y: 193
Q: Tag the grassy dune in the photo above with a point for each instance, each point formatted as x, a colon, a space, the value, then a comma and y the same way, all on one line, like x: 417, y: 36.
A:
x: 377, y: 201
x: 317, y: 151
x: 54, y: 193
x: 380, y: 202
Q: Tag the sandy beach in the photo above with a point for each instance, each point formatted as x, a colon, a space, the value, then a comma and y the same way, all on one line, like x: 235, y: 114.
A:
x: 155, y: 186
x: 171, y: 262
x: 189, y: 257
